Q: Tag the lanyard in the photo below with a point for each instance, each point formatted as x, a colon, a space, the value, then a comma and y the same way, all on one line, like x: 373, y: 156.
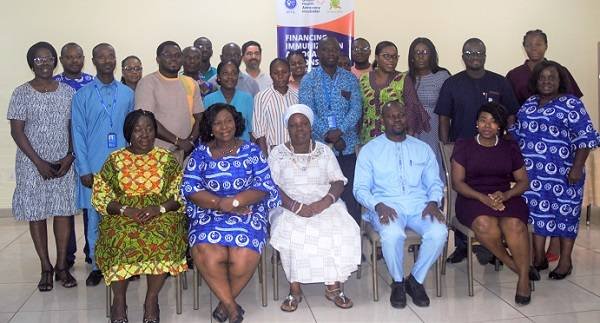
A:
x: 114, y: 103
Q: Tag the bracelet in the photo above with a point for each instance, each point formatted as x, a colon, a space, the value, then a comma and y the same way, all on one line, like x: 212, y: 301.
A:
x: 299, y: 209
x: 293, y: 206
x: 122, y: 209
x: 332, y: 197
x: 176, y: 141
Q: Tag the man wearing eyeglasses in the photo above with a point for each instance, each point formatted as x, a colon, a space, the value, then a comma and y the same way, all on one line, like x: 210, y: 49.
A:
x: 98, y: 114
x: 361, y: 51
x: 72, y: 59
x: 460, y: 98
x: 174, y: 99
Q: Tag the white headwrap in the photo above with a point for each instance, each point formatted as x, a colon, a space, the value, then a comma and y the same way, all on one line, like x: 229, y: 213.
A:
x: 298, y: 108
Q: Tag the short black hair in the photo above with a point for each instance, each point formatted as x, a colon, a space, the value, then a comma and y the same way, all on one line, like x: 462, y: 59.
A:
x: 563, y: 84
x: 67, y: 45
x: 164, y: 44
x: 128, y: 58
x: 200, y: 39
x: 132, y: 118
x: 100, y: 45
x: 498, y: 112
x: 37, y: 46
x: 250, y: 43
x: 538, y: 32
x: 473, y: 40
x: 296, y: 52
x: 279, y: 60
x: 209, y: 116
x: 221, y: 66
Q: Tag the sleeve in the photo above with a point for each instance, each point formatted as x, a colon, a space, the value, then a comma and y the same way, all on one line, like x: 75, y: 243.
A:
x: 509, y: 100
x: 363, y: 180
x: 105, y: 186
x: 418, y: 118
x: 459, y: 154
x: 172, y: 175
x: 258, y: 124
x: 17, y: 108
x: 581, y: 130
x: 355, y: 112
x: 333, y: 167
x: 79, y: 133
x: 197, y: 99
x: 262, y: 179
x: 431, y: 178
x: 193, y: 177
x: 515, y: 155
x: 445, y: 104
x: 144, y: 95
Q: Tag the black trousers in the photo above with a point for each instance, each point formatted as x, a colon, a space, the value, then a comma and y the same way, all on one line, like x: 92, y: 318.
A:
x: 72, y: 247
x: 348, y: 164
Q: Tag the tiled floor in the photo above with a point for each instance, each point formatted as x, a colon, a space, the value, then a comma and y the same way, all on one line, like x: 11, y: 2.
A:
x: 576, y: 299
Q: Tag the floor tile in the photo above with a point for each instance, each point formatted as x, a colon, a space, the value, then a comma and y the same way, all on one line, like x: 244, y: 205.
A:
x: 581, y: 317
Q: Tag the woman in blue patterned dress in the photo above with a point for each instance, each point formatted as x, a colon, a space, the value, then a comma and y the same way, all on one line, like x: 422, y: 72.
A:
x: 229, y: 191
x: 555, y: 135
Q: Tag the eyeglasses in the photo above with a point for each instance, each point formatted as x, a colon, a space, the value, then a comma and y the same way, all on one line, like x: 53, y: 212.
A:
x: 470, y: 53
x: 132, y: 69
x: 423, y: 52
x: 44, y: 60
x: 388, y: 57
x: 171, y: 56
x: 361, y: 49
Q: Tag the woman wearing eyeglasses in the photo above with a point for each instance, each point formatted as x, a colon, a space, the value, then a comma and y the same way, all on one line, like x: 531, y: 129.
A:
x: 131, y: 71
x: 385, y: 84
x: 40, y: 114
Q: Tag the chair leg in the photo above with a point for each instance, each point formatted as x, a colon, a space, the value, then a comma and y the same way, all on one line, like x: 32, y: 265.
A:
x: 184, y: 280
x: 531, y: 258
x: 178, y: 295
x: 263, y: 278
x: 588, y: 214
x: 275, y: 275
x: 444, y: 257
x: 496, y: 264
x: 374, y: 274
x: 108, y: 300
x: 438, y: 278
x: 470, y: 264
x: 416, y: 252
x: 196, y: 289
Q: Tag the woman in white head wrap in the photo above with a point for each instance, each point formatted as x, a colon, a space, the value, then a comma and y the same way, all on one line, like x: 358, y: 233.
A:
x: 317, y: 239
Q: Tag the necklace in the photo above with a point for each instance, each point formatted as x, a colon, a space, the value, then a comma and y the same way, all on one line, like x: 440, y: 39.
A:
x: 479, y: 142
x: 309, y: 159
x: 227, y: 150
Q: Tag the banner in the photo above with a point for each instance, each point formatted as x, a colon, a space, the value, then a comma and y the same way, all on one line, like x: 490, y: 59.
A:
x: 302, y: 23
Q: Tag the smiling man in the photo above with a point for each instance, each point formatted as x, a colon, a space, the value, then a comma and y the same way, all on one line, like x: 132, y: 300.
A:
x: 72, y: 59
x: 98, y: 114
x: 252, y: 56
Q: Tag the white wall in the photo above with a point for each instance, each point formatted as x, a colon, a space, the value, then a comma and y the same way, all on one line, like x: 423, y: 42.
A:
x: 137, y: 27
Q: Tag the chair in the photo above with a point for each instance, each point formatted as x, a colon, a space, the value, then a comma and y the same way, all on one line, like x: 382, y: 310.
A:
x: 455, y: 225
x: 178, y: 296
x: 262, y: 279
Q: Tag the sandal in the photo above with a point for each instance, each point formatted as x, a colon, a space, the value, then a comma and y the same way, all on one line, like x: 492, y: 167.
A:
x: 121, y: 320
x: 65, y: 277
x: 337, y: 296
x: 46, y: 284
x: 220, y: 313
x: 290, y: 303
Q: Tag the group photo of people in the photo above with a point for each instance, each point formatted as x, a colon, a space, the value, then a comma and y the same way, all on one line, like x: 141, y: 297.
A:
x: 212, y: 156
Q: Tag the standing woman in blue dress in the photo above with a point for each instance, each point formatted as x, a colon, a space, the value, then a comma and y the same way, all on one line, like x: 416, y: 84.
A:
x: 555, y: 135
x: 229, y: 191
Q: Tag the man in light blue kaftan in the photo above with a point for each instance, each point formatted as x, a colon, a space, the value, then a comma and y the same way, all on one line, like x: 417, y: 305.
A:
x: 397, y: 180
x: 98, y: 115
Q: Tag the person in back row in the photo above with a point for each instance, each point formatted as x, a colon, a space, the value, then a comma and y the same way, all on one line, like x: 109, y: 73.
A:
x: 232, y: 52
x: 252, y: 56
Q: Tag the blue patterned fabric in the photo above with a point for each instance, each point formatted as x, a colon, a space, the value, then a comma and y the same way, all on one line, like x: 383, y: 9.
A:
x: 225, y: 177
x: 76, y: 84
x: 549, y: 137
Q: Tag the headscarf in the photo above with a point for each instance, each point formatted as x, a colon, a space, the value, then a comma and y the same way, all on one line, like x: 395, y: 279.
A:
x: 298, y: 108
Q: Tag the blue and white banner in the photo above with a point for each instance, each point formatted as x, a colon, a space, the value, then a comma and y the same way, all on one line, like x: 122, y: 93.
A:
x: 302, y: 23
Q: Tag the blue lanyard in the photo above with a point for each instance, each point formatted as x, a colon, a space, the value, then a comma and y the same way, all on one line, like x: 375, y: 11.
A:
x: 114, y: 103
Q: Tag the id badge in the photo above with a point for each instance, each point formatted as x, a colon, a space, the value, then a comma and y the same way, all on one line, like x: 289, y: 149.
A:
x: 111, y: 140
x: 331, y: 122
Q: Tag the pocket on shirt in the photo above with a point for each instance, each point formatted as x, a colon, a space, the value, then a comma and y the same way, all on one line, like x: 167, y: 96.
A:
x: 415, y: 172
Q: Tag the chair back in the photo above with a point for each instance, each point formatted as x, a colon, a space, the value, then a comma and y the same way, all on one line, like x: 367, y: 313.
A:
x: 450, y: 194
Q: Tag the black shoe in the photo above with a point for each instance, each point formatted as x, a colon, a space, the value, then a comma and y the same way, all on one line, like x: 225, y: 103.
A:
x: 483, y: 255
x: 398, y: 296
x: 543, y: 266
x: 70, y: 263
x: 416, y: 291
x: 559, y: 276
x: 94, y: 278
x: 88, y: 260
x: 534, y: 274
x: 457, y: 256
x: 522, y: 300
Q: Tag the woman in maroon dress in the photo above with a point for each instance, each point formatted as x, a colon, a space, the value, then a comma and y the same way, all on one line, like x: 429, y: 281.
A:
x: 482, y: 171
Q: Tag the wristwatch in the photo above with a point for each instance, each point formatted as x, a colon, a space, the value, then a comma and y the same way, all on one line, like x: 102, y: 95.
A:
x: 122, y: 209
x: 163, y: 209
x: 235, y: 203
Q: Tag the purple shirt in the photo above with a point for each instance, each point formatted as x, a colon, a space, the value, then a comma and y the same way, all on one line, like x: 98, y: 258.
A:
x: 519, y: 76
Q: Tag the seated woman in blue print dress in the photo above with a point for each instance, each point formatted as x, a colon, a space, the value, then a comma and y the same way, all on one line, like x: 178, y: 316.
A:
x: 229, y: 191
